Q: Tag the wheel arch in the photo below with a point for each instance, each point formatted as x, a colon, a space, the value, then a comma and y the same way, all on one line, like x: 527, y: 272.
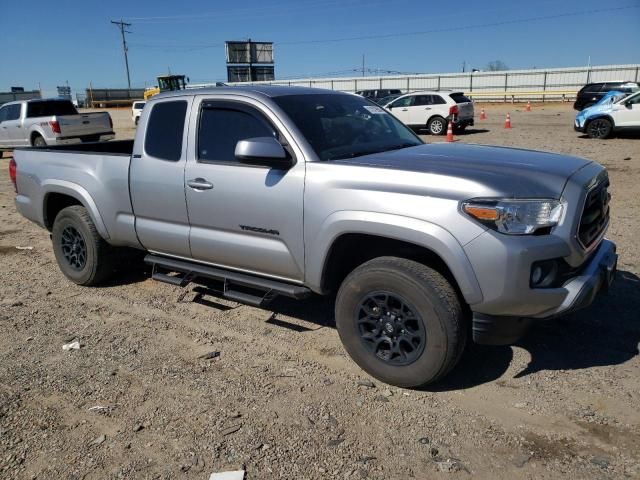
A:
x: 353, y: 238
x: 436, y: 115
x: 60, y: 194
x: 36, y: 132
x: 597, y: 117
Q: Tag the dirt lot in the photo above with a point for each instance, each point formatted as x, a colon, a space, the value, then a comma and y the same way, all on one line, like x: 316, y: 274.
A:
x: 283, y: 400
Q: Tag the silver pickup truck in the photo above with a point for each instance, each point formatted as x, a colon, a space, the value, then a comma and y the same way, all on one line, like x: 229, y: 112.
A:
x: 265, y: 191
x: 50, y: 122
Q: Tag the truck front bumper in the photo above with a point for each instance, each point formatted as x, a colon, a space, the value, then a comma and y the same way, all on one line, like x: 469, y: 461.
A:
x: 578, y: 292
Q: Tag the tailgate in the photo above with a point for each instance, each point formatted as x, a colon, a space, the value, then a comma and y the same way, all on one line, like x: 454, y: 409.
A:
x: 465, y: 110
x: 84, y: 124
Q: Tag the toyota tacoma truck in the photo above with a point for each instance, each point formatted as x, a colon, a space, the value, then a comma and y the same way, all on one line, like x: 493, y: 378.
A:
x: 40, y: 123
x: 261, y: 191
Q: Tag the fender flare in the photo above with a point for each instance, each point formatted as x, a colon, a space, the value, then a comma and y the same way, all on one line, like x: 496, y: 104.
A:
x: 36, y: 129
x: 81, y: 195
x: 597, y: 116
x: 412, y: 230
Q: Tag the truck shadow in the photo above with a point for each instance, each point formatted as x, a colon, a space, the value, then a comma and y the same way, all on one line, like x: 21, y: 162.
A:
x: 607, y: 333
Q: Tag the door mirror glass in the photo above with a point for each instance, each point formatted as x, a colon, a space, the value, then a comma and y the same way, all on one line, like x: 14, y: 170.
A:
x: 266, y: 151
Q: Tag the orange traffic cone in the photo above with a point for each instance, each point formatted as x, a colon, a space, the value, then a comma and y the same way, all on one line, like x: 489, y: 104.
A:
x: 450, y: 132
x: 507, y: 122
x: 482, y: 114
x: 528, y: 106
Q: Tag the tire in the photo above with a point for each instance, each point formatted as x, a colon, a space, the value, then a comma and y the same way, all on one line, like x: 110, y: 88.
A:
x: 39, y: 142
x: 599, y: 128
x: 82, y: 255
x: 429, y: 313
x: 437, y: 126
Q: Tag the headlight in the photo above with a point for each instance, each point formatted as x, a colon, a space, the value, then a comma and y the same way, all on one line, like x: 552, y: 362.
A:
x: 515, y: 217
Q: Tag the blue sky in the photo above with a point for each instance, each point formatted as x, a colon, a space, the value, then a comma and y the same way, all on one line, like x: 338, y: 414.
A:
x: 53, y: 42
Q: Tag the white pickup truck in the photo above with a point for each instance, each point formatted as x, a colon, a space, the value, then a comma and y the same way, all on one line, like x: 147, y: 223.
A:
x: 48, y: 122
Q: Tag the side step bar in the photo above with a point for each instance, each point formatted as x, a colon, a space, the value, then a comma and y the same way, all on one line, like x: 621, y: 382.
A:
x: 262, y: 290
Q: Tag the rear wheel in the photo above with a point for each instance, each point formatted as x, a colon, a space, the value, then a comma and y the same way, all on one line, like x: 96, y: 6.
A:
x: 599, y: 128
x: 38, y: 141
x: 437, y: 126
x: 400, y: 321
x: 82, y: 255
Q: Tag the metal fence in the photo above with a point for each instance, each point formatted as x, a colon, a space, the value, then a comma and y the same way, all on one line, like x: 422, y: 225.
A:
x: 13, y: 96
x: 514, y: 85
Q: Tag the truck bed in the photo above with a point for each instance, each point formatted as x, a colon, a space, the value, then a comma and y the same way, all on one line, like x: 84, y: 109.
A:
x: 94, y: 174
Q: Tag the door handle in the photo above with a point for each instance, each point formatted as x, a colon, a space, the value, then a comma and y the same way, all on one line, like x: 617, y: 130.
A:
x: 199, y: 184
x: 427, y: 108
x: 405, y: 109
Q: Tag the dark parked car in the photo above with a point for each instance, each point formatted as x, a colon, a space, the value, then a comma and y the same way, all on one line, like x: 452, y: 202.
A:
x: 591, y: 93
x: 374, y: 95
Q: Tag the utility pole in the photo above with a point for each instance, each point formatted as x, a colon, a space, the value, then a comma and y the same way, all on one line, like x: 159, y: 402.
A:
x: 363, y: 64
x: 121, y: 25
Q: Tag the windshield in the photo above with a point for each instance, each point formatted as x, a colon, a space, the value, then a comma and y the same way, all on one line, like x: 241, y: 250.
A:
x: 612, y: 97
x: 345, y: 126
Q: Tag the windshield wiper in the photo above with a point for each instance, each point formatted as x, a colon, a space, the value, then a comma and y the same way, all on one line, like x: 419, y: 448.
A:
x: 361, y: 153
x: 398, y: 147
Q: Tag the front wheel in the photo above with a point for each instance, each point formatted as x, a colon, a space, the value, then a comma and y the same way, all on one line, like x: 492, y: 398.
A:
x: 437, y: 126
x: 599, y: 128
x: 82, y: 254
x: 400, y: 321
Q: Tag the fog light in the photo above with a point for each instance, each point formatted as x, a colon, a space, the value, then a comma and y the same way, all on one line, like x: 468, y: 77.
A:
x: 543, y: 274
x: 536, y: 275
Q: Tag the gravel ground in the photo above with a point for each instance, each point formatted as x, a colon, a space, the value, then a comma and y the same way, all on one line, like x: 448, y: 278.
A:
x: 282, y: 399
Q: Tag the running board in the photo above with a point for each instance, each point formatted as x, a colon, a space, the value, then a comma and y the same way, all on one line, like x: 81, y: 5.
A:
x: 187, y: 272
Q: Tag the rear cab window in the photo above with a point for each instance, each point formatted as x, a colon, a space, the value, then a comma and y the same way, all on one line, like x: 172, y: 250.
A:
x: 165, y: 129
x: 459, y: 98
x: 49, y: 108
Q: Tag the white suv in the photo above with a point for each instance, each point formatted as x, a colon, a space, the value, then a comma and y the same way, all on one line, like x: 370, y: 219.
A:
x: 136, y: 111
x: 433, y: 110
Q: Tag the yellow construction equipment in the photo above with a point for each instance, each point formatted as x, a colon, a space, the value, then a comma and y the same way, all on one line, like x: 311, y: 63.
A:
x: 166, y: 83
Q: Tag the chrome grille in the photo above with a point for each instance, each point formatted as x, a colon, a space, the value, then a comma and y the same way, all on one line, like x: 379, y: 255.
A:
x: 595, y: 216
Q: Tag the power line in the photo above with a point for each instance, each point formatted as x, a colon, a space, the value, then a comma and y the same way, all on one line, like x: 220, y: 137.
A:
x: 409, y: 34
x: 121, y: 25
x: 454, y: 29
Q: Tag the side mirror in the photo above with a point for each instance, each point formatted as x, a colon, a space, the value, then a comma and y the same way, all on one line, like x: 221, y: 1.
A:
x: 628, y: 104
x: 265, y: 151
x: 389, y: 107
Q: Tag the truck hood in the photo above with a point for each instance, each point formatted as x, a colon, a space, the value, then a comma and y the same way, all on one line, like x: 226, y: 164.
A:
x: 504, y: 171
